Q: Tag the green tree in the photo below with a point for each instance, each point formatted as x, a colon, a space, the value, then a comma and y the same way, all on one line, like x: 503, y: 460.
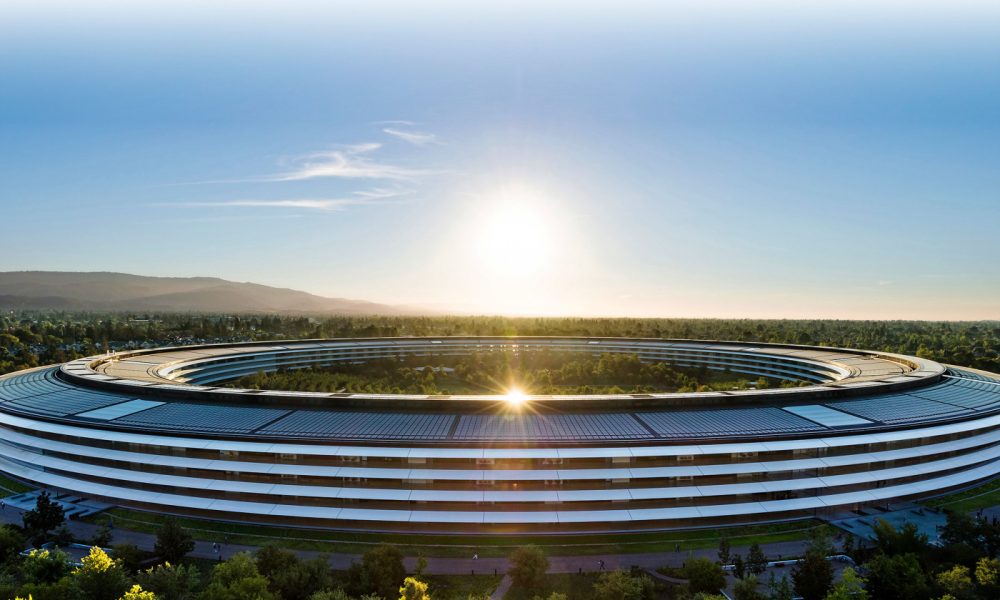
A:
x: 337, y: 594
x: 704, y: 576
x: 850, y: 587
x: 956, y: 582
x: 11, y: 543
x: 896, y: 578
x: 413, y: 589
x: 905, y: 540
x: 46, y: 516
x: 100, y: 577
x: 62, y: 536
x: 44, y: 566
x: 988, y: 576
x: 746, y: 589
x: 528, y: 565
x: 813, y: 575
x: 103, y: 537
x: 173, y: 542
x: 59, y: 590
x: 756, y: 560
x: 237, y: 579
x: 739, y: 567
x: 129, y: 555
x: 291, y: 578
x: 618, y: 585
x: 170, y: 582
x: 782, y: 590
x: 725, y: 550
x: 382, y: 571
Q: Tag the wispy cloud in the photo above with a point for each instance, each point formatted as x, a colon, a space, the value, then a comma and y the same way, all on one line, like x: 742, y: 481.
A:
x: 352, y: 162
x: 417, y: 138
x: 360, y: 198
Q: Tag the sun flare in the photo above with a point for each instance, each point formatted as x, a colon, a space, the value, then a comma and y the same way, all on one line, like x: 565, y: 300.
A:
x: 515, y: 397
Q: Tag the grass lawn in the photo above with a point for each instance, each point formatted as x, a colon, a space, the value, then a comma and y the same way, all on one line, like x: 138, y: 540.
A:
x: 462, y: 545
x: 10, y: 487
x: 460, y: 587
x: 976, y: 498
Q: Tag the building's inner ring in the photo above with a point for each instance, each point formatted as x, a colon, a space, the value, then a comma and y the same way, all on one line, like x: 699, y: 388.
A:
x: 830, y: 372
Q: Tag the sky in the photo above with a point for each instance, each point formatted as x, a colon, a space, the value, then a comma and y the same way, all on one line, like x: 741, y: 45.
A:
x: 676, y: 159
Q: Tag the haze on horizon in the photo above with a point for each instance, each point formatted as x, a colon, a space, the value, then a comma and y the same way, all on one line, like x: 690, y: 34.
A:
x: 698, y: 159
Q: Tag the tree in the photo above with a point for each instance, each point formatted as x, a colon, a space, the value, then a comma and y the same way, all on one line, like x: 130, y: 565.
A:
x: 896, y: 578
x: 739, y: 567
x: 337, y: 594
x: 173, y: 542
x: 413, y: 589
x: 725, y: 548
x: 103, y: 537
x: 46, y: 516
x: 382, y: 571
x: 813, y: 576
x: 291, y: 578
x: 756, y: 560
x: 703, y: 575
x: 905, y: 540
x: 746, y: 589
x: 528, y: 566
x: 43, y: 566
x: 966, y: 539
x: 62, y: 536
x: 850, y: 587
x: 170, y: 582
x: 421, y: 565
x: 100, y: 577
x: 782, y: 590
x: 988, y: 576
x: 137, y: 593
x: 237, y: 579
x: 618, y: 585
x: 129, y: 555
x: 956, y: 582
x: 11, y: 543
x: 848, y: 547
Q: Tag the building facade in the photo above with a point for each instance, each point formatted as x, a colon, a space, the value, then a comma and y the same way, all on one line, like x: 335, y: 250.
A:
x: 153, y: 430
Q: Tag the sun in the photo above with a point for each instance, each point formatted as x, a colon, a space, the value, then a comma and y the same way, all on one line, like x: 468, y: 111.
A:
x: 514, y: 237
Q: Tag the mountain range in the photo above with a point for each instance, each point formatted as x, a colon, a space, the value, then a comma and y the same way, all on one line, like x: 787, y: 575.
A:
x: 121, y: 291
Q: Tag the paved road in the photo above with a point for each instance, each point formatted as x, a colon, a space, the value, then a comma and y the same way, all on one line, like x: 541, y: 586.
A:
x: 436, y: 566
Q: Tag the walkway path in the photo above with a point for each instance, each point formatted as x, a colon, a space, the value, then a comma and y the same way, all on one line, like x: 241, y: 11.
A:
x: 501, y: 590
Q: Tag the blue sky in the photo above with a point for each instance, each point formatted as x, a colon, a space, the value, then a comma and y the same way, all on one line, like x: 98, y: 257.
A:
x: 685, y: 159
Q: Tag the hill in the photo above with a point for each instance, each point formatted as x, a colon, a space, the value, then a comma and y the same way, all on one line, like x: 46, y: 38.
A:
x: 120, y: 291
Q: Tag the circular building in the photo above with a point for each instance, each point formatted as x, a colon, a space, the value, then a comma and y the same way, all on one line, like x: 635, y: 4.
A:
x: 153, y: 430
